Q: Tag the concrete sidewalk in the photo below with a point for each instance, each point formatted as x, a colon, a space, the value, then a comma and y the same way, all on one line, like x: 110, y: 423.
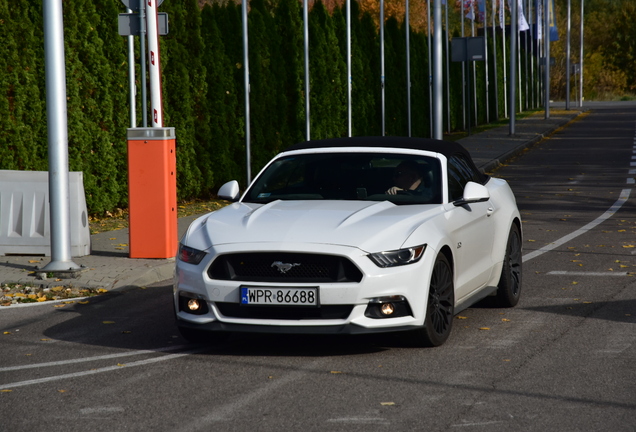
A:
x: 109, y: 267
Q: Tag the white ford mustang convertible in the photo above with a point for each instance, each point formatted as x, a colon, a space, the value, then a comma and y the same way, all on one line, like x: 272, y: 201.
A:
x: 352, y: 235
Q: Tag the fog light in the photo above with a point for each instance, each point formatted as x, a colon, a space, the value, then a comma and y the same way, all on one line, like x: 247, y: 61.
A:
x: 194, y: 305
x: 387, y: 308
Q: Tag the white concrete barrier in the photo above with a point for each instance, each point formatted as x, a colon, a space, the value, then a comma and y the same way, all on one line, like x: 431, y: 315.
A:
x: 24, y: 214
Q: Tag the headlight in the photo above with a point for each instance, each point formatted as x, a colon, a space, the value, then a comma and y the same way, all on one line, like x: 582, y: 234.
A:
x: 190, y: 255
x: 398, y: 257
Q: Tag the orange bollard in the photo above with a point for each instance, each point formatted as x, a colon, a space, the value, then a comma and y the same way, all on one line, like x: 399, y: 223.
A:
x: 152, y: 193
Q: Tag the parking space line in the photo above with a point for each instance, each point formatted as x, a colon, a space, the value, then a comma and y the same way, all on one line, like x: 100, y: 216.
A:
x: 582, y: 273
x: 100, y: 370
x: 87, y: 359
x: 624, y: 196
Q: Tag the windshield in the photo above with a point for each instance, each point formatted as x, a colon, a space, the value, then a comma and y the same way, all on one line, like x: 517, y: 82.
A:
x: 399, y: 178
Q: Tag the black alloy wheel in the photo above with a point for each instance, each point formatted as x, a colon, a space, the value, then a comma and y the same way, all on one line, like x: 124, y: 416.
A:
x: 509, y: 287
x: 440, y: 308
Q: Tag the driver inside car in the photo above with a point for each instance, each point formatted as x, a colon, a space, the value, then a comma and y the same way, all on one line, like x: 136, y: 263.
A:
x: 408, y: 177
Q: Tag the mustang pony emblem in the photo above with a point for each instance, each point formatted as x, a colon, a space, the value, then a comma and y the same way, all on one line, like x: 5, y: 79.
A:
x: 283, y: 267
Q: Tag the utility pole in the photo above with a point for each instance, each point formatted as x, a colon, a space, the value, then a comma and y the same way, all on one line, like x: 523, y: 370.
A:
x: 57, y: 129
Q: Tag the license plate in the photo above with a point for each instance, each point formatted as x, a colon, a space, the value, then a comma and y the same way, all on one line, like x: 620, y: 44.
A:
x: 279, y: 296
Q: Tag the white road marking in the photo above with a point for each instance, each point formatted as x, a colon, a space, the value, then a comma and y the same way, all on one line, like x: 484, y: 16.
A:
x: 9, y: 386
x: 360, y: 420
x: 87, y: 359
x: 624, y: 196
x: 229, y: 410
x: 582, y: 273
x: 488, y: 423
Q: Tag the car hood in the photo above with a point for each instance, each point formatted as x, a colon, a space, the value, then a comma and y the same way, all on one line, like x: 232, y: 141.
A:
x: 369, y: 226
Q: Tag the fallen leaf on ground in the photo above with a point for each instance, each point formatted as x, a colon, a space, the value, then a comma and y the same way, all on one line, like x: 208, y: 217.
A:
x: 387, y: 403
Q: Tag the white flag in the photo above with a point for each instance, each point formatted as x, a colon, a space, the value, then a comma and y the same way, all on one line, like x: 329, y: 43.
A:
x: 539, y: 9
x: 471, y: 10
x: 502, y: 16
x: 521, y: 23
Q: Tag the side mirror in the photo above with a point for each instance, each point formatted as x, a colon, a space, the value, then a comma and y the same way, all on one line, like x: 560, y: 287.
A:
x: 229, y: 191
x: 473, y: 193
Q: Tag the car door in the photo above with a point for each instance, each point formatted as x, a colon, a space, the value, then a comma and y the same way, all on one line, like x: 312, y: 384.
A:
x: 471, y: 228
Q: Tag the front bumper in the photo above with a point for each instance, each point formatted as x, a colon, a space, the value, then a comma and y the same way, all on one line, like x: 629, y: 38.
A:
x: 409, y: 281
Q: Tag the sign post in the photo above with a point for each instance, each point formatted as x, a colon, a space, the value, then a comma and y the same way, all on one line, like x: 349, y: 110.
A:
x: 464, y: 49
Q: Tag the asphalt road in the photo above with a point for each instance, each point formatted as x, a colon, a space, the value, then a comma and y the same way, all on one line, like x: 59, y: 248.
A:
x: 564, y: 359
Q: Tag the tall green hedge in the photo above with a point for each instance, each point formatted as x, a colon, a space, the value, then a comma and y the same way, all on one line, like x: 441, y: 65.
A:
x: 203, y: 91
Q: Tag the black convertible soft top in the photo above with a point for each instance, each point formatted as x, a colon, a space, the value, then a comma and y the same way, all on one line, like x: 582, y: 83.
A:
x: 447, y: 148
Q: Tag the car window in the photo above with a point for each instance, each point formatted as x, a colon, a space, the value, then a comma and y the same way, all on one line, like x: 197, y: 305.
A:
x: 349, y: 176
x: 460, y: 172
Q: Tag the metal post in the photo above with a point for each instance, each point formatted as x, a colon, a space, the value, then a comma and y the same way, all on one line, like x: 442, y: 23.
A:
x: 531, y: 57
x: 430, y: 70
x: 567, y: 58
x: 494, y: 49
x: 474, y: 64
x: 408, y: 65
x: 437, y: 70
x: 486, y: 76
x: 519, y: 64
x: 307, y: 89
x: 382, y: 78
x: 154, y: 64
x: 581, y: 60
x: 142, y: 61
x: 132, y: 90
x: 546, y: 32
x: 505, y: 70
x: 448, y: 112
x: 527, y: 34
x: 246, y: 84
x: 514, y: 19
x: 349, y: 79
x: 464, y: 90
x: 57, y: 129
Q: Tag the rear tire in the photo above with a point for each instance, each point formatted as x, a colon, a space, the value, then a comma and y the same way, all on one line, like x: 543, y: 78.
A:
x: 509, y: 287
x: 440, y: 307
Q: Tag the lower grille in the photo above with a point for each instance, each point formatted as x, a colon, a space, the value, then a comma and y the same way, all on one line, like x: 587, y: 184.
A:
x: 328, y: 312
x: 284, y: 267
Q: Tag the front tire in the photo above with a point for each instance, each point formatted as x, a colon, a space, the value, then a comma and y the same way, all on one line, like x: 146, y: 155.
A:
x: 509, y: 287
x: 440, y: 307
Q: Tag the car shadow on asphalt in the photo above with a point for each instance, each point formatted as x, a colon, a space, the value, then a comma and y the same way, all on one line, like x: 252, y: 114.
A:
x: 615, y: 310
x: 143, y: 319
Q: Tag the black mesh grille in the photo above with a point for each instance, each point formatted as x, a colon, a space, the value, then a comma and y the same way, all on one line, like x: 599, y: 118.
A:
x: 284, y: 267
x: 236, y: 310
